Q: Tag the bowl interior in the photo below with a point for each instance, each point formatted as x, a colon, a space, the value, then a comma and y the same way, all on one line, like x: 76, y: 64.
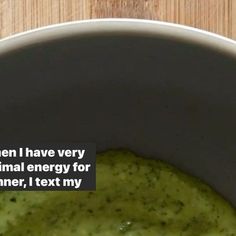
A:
x: 159, y: 97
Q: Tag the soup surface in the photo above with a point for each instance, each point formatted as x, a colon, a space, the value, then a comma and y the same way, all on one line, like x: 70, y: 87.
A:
x: 134, y: 197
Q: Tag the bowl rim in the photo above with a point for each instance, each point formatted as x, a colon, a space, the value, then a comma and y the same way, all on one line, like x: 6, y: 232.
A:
x: 137, y: 27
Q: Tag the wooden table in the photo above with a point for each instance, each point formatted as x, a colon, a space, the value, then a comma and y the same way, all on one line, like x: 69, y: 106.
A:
x: 217, y: 16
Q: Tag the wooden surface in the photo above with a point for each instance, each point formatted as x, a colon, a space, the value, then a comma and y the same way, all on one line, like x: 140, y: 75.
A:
x: 217, y: 16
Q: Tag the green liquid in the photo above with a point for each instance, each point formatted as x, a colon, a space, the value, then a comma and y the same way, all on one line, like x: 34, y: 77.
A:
x: 134, y: 197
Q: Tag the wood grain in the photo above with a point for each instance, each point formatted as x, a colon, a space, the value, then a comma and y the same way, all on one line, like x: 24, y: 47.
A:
x: 217, y: 16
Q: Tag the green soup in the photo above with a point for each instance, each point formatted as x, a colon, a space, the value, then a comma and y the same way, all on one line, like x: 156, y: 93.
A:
x: 134, y: 197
